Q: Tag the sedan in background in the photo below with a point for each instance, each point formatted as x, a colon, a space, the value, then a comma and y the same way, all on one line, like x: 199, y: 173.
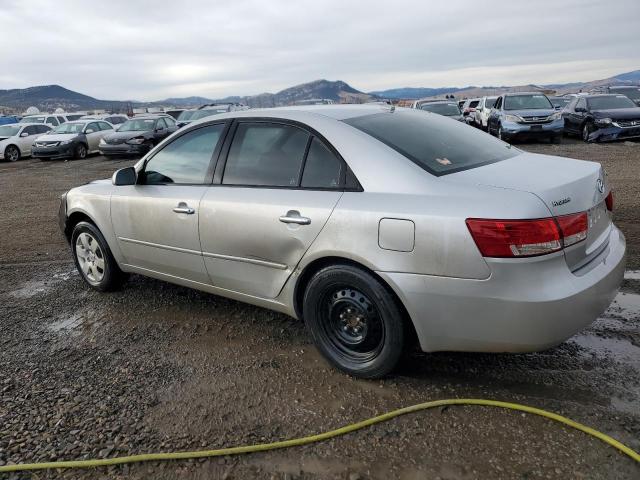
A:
x: 71, y: 140
x: 481, y: 115
x: 599, y: 118
x: 378, y: 226
x: 51, y: 120
x: 16, y: 139
x: 445, y: 108
x: 525, y: 115
x: 138, y: 135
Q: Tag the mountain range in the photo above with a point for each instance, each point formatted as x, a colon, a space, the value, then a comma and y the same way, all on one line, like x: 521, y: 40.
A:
x: 50, y: 97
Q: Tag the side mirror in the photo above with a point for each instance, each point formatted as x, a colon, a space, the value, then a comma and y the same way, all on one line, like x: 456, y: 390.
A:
x: 124, y: 176
x: 24, y: 134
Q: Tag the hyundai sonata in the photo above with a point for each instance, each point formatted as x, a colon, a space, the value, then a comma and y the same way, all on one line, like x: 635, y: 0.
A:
x: 374, y: 225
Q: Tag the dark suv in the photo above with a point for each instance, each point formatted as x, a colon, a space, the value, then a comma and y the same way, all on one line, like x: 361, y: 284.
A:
x: 138, y: 135
x: 602, y: 117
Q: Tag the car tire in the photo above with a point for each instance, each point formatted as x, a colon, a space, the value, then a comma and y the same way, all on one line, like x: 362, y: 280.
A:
x: 501, y: 135
x: 355, y: 322
x: 587, y: 129
x: 80, y: 152
x: 12, y: 153
x: 93, y: 258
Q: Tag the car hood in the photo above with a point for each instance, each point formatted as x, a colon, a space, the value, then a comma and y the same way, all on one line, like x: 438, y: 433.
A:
x: 565, y: 185
x: 127, y: 135
x: 58, y: 137
x: 618, y: 113
x: 536, y: 112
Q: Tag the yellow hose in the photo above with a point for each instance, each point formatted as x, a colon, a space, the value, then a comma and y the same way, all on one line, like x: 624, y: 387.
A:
x: 320, y: 437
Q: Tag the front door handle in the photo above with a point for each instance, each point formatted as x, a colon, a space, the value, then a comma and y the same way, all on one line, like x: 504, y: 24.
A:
x: 184, y: 208
x: 293, y: 216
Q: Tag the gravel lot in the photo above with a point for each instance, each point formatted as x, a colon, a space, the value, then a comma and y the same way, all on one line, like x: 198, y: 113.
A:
x: 157, y: 367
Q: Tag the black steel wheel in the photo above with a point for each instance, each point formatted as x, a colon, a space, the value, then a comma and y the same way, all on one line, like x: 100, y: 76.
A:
x: 355, y: 321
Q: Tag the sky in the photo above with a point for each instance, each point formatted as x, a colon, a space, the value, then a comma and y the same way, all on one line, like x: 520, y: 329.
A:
x: 151, y: 50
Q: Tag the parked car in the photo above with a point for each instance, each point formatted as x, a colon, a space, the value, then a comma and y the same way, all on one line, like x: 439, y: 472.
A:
x: 483, y: 109
x: 205, y: 111
x: 373, y: 232
x: 446, y: 108
x: 16, y: 139
x: 602, y: 118
x: 114, y: 119
x: 525, y: 115
x: 51, y: 120
x: 73, y: 116
x: 469, y: 109
x: 8, y: 119
x: 633, y: 92
x: 138, y: 135
x: 71, y: 140
x: 559, y: 103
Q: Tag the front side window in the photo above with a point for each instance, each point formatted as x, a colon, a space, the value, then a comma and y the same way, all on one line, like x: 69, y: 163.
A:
x: 184, y: 160
x: 437, y: 145
x: 169, y: 121
x: 526, y: 102
x: 31, y: 130
x: 322, y: 168
x: 43, y: 128
x: 266, y: 154
x: 105, y: 126
x: 92, y: 128
x: 582, y: 103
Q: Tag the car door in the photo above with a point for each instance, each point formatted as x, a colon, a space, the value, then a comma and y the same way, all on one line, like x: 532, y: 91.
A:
x: 580, y: 114
x: 156, y: 220
x: 105, y: 129
x: 569, y: 115
x: 493, y: 115
x: 26, y: 142
x: 263, y: 212
x: 160, y: 131
x: 93, y: 134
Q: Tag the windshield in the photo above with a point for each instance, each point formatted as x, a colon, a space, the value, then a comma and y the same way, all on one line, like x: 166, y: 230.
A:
x: 139, y: 125
x: 490, y: 102
x: 69, y: 127
x: 438, y: 146
x: 630, y: 92
x: 32, y: 120
x: 526, y: 102
x: 610, y: 103
x: 9, y: 130
x: 559, y: 101
x: 446, y: 109
x: 186, y: 115
x: 206, y: 113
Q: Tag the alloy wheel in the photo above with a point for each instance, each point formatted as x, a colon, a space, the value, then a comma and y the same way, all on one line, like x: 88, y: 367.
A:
x: 90, y: 258
x: 12, y: 154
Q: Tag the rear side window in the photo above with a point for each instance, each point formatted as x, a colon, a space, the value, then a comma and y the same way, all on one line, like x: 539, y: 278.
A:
x: 186, y: 159
x: 322, y: 168
x: 436, y: 144
x: 53, y: 121
x: 266, y: 154
x: 105, y: 126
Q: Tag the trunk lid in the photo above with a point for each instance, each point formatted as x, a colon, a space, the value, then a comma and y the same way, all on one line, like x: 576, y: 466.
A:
x: 564, y: 185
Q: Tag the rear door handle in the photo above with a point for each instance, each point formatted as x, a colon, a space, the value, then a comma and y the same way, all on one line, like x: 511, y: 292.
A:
x: 184, y: 208
x: 293, y: 216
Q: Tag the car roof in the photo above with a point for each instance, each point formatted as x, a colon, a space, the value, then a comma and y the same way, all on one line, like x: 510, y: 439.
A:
x: 514, y: 94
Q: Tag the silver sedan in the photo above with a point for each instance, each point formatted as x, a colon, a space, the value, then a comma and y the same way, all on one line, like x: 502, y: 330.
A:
x: 378, y: 226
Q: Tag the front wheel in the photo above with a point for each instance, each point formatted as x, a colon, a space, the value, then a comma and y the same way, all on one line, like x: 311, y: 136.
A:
x: 12, y: 153
x: 93, y: 258
x: 501, y: 134
x: 80, y: 152
x: 355, y: 322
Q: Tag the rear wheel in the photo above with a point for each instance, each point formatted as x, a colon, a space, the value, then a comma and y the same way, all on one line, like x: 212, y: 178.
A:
x: 12, y: 153
x: 93, y: 258
x: 354, y: 321
x: 80, y: 152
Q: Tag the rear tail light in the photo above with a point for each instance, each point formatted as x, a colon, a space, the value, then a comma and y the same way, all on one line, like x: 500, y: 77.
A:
x: 609, y: 201
x: 527, y: 238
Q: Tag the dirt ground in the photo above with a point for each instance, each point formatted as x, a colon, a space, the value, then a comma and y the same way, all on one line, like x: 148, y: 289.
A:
x: 157, y: 367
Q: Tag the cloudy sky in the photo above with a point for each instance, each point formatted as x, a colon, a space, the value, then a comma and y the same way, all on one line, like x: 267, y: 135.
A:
x: 148, y: 50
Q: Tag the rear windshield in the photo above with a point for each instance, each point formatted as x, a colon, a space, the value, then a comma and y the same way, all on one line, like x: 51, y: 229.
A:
x: 438, y: 145
x: 447, y: 109
x: 526, y: 102
x: 610, y: 103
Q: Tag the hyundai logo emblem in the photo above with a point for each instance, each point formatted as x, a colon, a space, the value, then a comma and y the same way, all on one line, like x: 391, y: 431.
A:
x: 600, y: 185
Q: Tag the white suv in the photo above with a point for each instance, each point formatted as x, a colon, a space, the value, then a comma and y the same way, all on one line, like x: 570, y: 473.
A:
x: 483, y: 110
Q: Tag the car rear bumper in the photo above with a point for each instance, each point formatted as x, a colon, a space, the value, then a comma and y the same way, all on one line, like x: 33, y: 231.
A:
x: 525, y: 305
x: 123, y: 149
x: 59, y: 151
